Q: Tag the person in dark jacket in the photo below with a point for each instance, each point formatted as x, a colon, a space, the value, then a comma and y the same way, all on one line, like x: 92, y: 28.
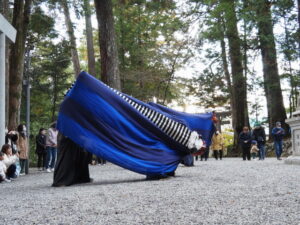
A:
x: 245, y: 142
x: 40, y: 150
x: 259, y: 136
x: 278, y: 133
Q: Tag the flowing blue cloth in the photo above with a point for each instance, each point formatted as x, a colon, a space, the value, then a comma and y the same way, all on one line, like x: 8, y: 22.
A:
x: 98, y: 119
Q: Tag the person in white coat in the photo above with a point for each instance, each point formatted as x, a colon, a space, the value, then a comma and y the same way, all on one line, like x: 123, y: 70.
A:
x: 9, y: 161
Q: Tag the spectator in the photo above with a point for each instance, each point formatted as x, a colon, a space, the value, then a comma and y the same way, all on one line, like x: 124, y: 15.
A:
x: 10, y: 161
x: 11, y: 139
x: 254, y: 149
x: 22, y: 145
x: 217, y: 145
x: 259, y: 136
x: 2, y: 169
x: 51, y: 147
x: 278, y: 133
x: 101, y: 161
x: 41, y: 149
x: 245, y: 142
x: 205, y: 154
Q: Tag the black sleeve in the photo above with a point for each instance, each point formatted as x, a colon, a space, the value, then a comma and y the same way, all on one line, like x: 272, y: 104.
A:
x: 39, y: 141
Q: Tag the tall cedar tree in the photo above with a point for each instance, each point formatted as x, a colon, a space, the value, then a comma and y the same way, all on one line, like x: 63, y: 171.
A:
x: 89, y: 38
x: 298, y: 3
x: 239, y: 87
x: 276, y: 110
x: 21, y: 15
x: 108, y: 46
x: 69, y: 24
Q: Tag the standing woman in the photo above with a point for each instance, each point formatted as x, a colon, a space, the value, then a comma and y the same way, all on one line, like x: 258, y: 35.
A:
x: 51, y: 146
x: 41, y: 149
x: 245, y: 141
x: 22, y: 144
x: 217, y: 145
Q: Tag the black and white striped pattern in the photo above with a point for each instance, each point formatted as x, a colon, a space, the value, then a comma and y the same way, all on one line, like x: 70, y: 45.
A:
x: 177, y: 131
x: 69, y: 89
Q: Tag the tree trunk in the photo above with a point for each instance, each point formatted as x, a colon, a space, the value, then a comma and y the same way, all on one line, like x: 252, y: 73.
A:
x: 298, y: 4
x: 89, y: 38
x: 276, y: 110
x: 70, y: 29
x: 226, y: 70
x: 108, y: 45
x: 55, y: 97
x: 239, y: 89
x: 21, y: 15
x: 122, y: 42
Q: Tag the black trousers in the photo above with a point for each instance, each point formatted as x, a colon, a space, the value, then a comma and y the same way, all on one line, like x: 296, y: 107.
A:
x: 218, y: 152
x: 11, y: 170
x: 246, y: 153
x: 42, y: 159
x: 24, y: 166
x: 101, y: 161
x: 205, y: 154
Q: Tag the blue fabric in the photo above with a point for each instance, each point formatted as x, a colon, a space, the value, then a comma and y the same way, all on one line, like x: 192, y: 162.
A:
x: 99, y: 120
x: 188, y: 160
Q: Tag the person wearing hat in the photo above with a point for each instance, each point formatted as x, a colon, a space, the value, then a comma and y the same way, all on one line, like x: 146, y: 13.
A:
x: 278, y: 133
x: 259, y: 136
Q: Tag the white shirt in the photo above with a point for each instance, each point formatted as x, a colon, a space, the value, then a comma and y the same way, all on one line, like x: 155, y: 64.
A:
x: 2, y: 169
x: 9, y: 160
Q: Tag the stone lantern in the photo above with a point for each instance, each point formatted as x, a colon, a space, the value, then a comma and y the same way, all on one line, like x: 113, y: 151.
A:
x: 294, y: 123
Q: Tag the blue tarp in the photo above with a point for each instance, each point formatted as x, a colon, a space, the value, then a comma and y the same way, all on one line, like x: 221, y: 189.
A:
x: 98, y: 119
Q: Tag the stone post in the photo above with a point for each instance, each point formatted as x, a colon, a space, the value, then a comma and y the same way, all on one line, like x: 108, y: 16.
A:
x: 294, y: 123
x: 6, y: 30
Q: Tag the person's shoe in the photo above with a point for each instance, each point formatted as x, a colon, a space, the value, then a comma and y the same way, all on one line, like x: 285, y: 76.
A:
x: 279, y: 158
x: 48, y: 170
x: 52, y: 170
x: 7, y: 180
x: 22, y: 174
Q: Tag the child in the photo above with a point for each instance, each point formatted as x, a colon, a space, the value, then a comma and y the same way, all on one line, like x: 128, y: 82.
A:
x: 254, y: 149
x: 2, y: 169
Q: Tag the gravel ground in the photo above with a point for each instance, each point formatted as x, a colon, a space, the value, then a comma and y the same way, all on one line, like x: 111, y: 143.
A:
x: 214, y: 192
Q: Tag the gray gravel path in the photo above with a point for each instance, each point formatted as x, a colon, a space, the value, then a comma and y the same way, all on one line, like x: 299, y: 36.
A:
x: 214, y: 192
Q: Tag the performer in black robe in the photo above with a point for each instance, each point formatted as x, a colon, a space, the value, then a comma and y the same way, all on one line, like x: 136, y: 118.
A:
x: 72, y: 166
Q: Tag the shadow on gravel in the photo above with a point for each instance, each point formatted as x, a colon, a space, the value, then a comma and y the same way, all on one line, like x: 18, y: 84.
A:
x: 109, y: 182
